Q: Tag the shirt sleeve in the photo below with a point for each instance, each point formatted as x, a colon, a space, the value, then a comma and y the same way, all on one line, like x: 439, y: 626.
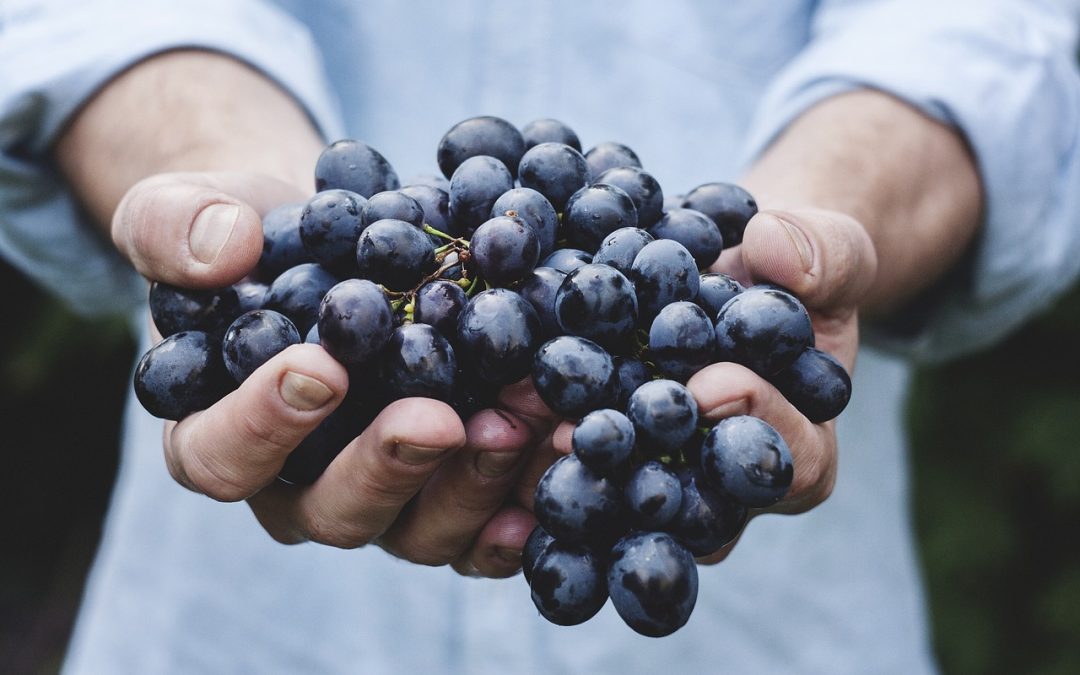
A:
x: 1004, y: 72
x: 56, y: 55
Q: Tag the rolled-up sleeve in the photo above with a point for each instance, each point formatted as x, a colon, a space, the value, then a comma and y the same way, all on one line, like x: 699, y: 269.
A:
x: 56, y: 55
x: 1004, y: 72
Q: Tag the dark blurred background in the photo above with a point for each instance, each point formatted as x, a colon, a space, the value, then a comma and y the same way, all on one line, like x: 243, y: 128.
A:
x: 996, y: 485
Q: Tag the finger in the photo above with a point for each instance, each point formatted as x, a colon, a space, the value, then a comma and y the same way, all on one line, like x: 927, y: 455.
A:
x: 496, y: 553
x: 196, y: 230
x: 466, y: 491
x: 238, y: 445
x: 366, y: 487
x: 728, y: 389
x: 562, y: 439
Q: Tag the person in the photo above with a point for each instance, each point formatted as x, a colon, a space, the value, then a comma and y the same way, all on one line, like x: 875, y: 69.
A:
x: 913, y: 161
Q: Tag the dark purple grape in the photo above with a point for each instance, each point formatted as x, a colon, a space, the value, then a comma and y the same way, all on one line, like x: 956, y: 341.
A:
x: 254, y: 338
x: 182, y: 374
x: 176, y: 309
x: 681, y: 340
x: 418, y: 361
x: 471, y: 395
x: 603, y: 440
x: 577, y: 505
x: 694, y: 230
x: 355, y: 321
x: 714, y: 292
x: 250, y: 294
x: 435, y: 203
x: 609, y: 155
x: 430, y: 180
x: 309, y: 459
x: 312, y: 337
x: 356, y: 166
x: 504, y: 249
x: 664, y: 414
x: 642, y: 188
x: 297, y: 292
x: 282, y: 246
x: 394, y: 205
x: 663, y: 272
x: 539, y: 287
x: 569, y: 585
x: 727, y: 205
x: 595, y: 211
x: 474, y: 188
x: 555, y: 170
x: 816, y: 384
x: 395, y: 254
x: 629, y: 375
x: 534, y: 209
x: 538, y: 542
x: 652, y: 495
x: 566, y: 260
x: 653, y: 583
x: 744, y: 458
x: 597, y: 302
x: 549, y: 131
x: 486, y: 135
x: 330, y: 224
x: 574, y: 376
x: 497, y: 335
x: 438, y: 304
x: 619, y: 248
x: 706, y: 520
x: 764, y: 330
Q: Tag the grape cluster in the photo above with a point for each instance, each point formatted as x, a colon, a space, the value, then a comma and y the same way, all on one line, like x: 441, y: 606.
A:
x: 527, y: 257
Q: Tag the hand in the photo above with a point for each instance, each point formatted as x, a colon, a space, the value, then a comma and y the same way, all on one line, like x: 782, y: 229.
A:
x: 431, y: 493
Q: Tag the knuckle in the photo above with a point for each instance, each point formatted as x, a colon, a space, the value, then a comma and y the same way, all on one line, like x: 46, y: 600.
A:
x: 337, y: 533
x: 217, y: 481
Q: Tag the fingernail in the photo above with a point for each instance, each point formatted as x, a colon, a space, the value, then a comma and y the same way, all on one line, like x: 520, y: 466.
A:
x: 417, y: 454
x: 510, y: 555
x: 729, y: 409
x: 211, y: 230
x: 802, y: 244
x: 304, y: 392
x: 494, y: 464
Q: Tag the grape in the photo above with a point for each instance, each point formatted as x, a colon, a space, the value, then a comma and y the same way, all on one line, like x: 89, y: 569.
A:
x: 254, y: 338
x: 629, y: 375
x: 816, y: 384
x: 663, y: 272
x: 297, y: 292
x: 474, y: 188
x: 330, y: 224
x: 504, y: 249
x: 486, y: 135
x: 182, y: 374
x: 609, y: 155
x: 355, y: 321
x: 653, y: 495
x: 653, y: 583
x: 438, y: 304
x: 595, y: 211
x: 568, y: 584
x: 395, y: 254
x: 250, y: 295
x: 714, y: 292
x: 282, y: 246
x: 555, y: 170
x: 539, y: 287
x: 620, y: 247
x: 418, y: 361
x: 566, y: 260
x: 574, y: 376
x: 435, y: 203
x: 538, y: 542
x: 309, y: 459
x: 534, y: 209
x: 681, y: 340
x: 393, y: 204
x: 576, y: 504
x: 727, y: 205
x: 597, y: 302
x: 603, y: 440
x: 643, y: 189
x: 694, y: 230
x: 356, y: 166
x: 437, y: 181
x: 664, y: 414
x: 746, y: 459
x: 764, y: 330
x: 176, y: 309
x: 549, y: 131
x: 706, y: 520
x: 497, y: 335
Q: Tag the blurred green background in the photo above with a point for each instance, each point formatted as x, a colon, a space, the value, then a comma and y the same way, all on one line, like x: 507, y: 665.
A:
x: 996, y: 485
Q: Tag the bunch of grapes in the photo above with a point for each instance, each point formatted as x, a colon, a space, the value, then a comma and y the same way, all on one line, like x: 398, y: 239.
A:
x: 527, y: 257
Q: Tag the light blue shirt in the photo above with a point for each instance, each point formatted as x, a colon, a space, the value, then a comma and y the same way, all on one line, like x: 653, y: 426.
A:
x: 183, y: 584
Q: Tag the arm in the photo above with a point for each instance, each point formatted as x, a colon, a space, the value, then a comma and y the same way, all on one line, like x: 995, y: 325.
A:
x: 176, y: 159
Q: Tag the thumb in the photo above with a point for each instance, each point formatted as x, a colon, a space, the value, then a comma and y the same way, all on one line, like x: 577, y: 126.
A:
x: 825, y: 258
x: 196, y: 230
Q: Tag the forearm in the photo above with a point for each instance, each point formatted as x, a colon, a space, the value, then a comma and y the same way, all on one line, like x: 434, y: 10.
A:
x: 184, y: 111
x: 908, y: 179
